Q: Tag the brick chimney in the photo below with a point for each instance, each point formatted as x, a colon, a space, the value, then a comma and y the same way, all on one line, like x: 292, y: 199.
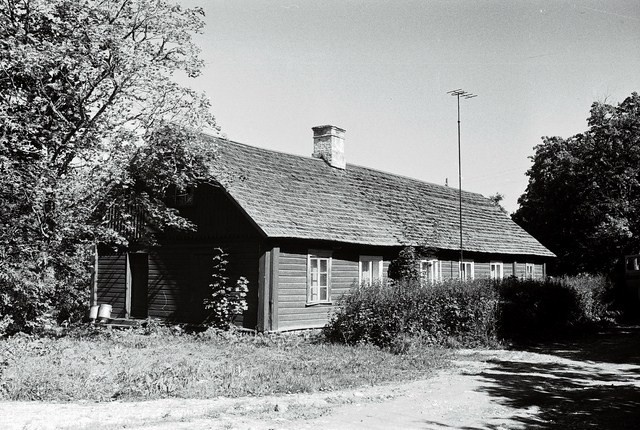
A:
x: 328, y: 144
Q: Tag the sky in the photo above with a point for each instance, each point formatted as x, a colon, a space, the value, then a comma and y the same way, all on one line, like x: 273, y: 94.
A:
x: 381, y: 69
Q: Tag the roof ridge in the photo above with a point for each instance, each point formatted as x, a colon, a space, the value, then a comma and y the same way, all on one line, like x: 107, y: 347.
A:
x: 310, y: 158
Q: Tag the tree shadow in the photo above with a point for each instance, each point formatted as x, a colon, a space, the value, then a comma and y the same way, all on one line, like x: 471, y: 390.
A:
x: 619, y: 345
x: 595, y: 385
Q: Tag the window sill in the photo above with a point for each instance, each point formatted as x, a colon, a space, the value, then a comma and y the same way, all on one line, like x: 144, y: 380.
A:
x: 308, y: 305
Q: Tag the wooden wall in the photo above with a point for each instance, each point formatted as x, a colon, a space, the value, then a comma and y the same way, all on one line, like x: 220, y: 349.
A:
x: 178, y: 279
x: 112, y: 274
x: 179, y: 269
x: 482, y: 266
x: 179, y: 275
x: 293, y: 311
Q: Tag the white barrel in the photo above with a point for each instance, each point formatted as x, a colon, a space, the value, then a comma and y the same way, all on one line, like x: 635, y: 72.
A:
x: 93, y: 312
x: 104, y: 312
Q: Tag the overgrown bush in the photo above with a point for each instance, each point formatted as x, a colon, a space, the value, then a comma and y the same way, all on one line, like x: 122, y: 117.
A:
x: 532, y: 308
x: 475, y: 312
x: 34, y: 296
x: 439, y: 313
x: 226, y: 300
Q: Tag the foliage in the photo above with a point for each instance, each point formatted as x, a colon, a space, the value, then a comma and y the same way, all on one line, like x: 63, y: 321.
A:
x: 474, y: 312
x: 531, y: 308
x: 583, y: 195
x: 92, y: 124
x: 93, y: 364
x: 226, y: 301
x: 406, y: 266
x: 437, y: 313
x: 496, y: 200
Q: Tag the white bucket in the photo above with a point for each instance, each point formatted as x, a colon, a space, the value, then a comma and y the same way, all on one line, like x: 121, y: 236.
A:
x: 93, y: 312
x: 104, y: 312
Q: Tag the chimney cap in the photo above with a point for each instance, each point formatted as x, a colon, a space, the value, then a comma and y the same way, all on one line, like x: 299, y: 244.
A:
x: 326, y: 129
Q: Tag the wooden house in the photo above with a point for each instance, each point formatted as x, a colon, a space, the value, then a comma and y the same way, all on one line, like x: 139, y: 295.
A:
x: 303, y: 231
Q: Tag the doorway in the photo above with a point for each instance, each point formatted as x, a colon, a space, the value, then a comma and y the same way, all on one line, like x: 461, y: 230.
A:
x: 138, y: 285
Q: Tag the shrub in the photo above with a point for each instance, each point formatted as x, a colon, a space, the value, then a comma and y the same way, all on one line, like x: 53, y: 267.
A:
x: 532, y: 308
x: 478, y: 312
x: 226, y: 301
x: 436, y: 313
x: 34, y: 296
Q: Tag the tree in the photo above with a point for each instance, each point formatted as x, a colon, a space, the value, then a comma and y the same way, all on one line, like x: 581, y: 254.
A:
x: 583, y: 196
x: 92, y: 123
x: 496, y: 199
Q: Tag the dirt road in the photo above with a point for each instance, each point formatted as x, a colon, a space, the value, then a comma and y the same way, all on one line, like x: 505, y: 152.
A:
x: 589, y: 384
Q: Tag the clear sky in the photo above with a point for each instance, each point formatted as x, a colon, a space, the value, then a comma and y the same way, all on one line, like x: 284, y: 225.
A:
x: 381, y: 68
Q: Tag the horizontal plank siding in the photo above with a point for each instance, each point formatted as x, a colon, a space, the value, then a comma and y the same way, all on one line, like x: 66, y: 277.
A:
x: 294, y: 312
x: 481, y: 269
x: 344, y: 275
x: 507, y: 269
x: 112, y: 288
x: 292, y: 291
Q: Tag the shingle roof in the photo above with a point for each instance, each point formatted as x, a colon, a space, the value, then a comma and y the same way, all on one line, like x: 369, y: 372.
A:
x: 290, y: 196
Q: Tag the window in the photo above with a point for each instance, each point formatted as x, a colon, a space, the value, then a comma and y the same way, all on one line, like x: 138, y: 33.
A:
x: 430, y: 271
x: 528, y: 271
x: 466, y: 270
x: 318, y: 278
x: 632, y: 263
x: 496, y: 270
x: 180, y: 197
x: 370, y: 269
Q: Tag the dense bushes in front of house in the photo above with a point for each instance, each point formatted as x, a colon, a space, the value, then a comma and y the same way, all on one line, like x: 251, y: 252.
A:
x: 383, y: 313
x: 478, y: 312
x: 531, y: 308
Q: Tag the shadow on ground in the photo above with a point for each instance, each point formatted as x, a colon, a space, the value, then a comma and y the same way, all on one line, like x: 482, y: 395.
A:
x: 617, y: 345
x: 593, y: 384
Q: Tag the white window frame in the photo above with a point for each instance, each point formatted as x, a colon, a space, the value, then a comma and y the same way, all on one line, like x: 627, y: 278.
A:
x: 529, y: 270
x: 631, y: 263
x: 434, y: 270
x: 369, y: 259
x: 471, y: 265
x: 500, y: 266
x: 319, y: 256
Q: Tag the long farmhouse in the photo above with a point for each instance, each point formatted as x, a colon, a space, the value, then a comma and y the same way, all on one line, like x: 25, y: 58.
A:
x: 303, y: 231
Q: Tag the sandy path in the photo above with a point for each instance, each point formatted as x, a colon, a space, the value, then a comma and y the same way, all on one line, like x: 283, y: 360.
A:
x: 592, y: 384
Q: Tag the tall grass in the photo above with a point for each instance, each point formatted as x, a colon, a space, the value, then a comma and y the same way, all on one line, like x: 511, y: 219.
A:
x: 106, y: 365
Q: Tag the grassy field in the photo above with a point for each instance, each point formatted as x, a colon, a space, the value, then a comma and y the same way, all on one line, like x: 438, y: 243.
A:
x: 102, y: 365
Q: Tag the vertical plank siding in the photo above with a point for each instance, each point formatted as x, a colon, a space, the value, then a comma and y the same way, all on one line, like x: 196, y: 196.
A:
x: 180, y: 274
x: 112, y: 272
x: 179, y: 270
